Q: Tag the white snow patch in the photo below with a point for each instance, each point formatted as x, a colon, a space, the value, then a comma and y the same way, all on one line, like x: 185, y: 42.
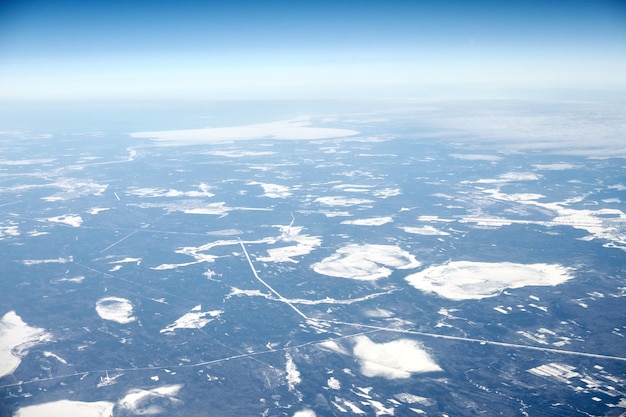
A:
x: 273, y: 190
x: 29, y: 262
x: 10, y: 230
x: 559, y: 371
x: 192, y: 320
x: 380, y: 409
x: 237, y: 292
x: 293, y: 375
x: 165, y: 267
x: 334, y: 346
x: 77, y: 279
x: 344, y: 405
x: 37, y: 233
x: 510, y: 177
x: 387, y: 192
x: 33, y: 161
x: 65, y: 408
x: 304, y: 244
x: 339, y: 201
x: 57, y: 357
x: 127, y: 260
x: 405, y: 397
x: 239, y: 153
x: 425, y: 230
x: 475, y: 157
x: 353, y: 188
x: 556, y: 166
x: 375, y: 221
x: 379, y: 312
x: 70, y: 220
x: 463, y: 280
x: 218, y: 208
x: 331, y: 214
x: 392, y: 360
x: 202, y: 191
x: 365, y: 262
x: 72, y: 188
x: 97, y: 210
x: 16, y: 337
x: 115, y: 309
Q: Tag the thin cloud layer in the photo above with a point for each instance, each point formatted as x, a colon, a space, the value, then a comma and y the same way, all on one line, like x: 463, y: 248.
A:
x: 283, y: 130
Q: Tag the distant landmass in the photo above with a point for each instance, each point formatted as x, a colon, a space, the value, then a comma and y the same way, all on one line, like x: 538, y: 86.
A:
x: 431, y: 259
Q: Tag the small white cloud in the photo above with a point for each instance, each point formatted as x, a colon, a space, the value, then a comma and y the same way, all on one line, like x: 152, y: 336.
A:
x: 365, y: 262
x: 273, y: 190
x: 392, y: 360
x: 305, y: 413
x: 115, y: 309
x: 333, y: 383
x: 150, y: 402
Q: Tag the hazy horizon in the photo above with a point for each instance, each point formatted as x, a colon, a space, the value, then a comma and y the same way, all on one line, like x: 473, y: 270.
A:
x: 120, y: 51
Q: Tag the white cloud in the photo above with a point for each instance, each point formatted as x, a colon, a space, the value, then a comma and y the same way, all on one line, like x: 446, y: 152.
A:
x: 333, y: 383
x: 273, y: 190
x: 365, y: 262
x: 574, y: 128
x: 392, y: 360
x: 141, y: 402
x: 304, y: 413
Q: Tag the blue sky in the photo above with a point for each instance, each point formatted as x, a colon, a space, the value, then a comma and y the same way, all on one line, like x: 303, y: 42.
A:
x: 135, y: 50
